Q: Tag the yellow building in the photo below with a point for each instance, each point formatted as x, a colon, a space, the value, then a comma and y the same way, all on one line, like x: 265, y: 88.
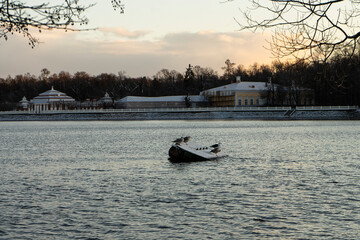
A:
x: 237, y: 94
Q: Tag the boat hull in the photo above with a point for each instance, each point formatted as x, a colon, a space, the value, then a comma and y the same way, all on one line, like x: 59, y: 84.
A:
x: 179, y: 155
x: 191, y: 153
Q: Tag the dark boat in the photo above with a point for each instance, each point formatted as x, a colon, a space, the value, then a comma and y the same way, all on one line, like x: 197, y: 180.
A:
x: 190, y: 152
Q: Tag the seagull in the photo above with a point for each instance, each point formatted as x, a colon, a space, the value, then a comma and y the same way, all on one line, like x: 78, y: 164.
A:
x: 186, y: 139
x: 216, y: 150
x: 178, y: 140
x: 217, y: 145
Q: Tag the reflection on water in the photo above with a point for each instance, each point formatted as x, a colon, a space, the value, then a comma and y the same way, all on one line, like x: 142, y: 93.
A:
x: 112, y: 180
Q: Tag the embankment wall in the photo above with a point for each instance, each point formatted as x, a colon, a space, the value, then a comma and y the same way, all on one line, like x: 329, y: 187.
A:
x: 214, y: 115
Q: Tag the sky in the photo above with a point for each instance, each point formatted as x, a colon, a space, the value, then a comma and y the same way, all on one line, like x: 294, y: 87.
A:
x: 151, y: 35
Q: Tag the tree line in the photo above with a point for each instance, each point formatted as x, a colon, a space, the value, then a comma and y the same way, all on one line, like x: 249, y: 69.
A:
x: 335, y: 82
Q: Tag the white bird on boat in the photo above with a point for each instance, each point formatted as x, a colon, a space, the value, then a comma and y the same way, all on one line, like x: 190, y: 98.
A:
x: 217, y: 145
x: 216, y: 150
x: 186, y: 139
x: 178, y: 140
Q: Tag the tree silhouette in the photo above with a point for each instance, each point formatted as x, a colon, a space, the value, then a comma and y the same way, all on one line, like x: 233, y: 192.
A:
x: 189, y: 79
x: 229, y: 69
x: 19, y: 17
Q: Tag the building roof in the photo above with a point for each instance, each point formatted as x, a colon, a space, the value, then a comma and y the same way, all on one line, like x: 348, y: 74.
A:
x: 193, y: 98
x: 106, y: 99
x: 239, y: 87
x: 24, y: 100
x: 52, y: 96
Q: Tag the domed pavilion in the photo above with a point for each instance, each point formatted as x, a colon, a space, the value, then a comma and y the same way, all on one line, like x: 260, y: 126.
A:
x: 51, y: 100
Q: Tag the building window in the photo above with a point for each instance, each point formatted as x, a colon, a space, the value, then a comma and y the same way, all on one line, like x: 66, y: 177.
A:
x: 257, y: 101
x: 246, y: 102
x: 252, y: 101
x: 239, y: 102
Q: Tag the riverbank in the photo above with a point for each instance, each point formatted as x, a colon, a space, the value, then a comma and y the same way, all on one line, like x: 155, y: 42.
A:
x: 314, y: 113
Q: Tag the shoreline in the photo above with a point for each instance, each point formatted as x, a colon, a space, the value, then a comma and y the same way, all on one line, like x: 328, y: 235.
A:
x: 184, y: 115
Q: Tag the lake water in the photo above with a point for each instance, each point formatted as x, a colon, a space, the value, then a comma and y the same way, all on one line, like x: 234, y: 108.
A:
x: 113, y: 180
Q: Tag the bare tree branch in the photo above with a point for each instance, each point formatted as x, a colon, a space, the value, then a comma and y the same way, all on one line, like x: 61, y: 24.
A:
x: 18, y: 17
x: 306, y: 29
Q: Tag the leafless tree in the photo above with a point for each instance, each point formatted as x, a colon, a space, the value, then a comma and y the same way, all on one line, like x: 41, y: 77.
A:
x: 20, y: 16
x: 307, y: 29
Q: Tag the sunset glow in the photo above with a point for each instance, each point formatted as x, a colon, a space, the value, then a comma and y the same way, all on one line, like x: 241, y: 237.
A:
x: 141, y: 42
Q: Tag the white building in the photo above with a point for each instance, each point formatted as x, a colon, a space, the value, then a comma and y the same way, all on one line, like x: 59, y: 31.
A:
x: 23, y: 104
x: 106, y: 101
x: 51, y: 100
x: 161, y: 102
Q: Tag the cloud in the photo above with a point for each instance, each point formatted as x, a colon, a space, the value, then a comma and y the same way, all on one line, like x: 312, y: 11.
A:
x: 211, y: 43
x: 77, y: 51
x: 121, y: 32
x: 244, y: 46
